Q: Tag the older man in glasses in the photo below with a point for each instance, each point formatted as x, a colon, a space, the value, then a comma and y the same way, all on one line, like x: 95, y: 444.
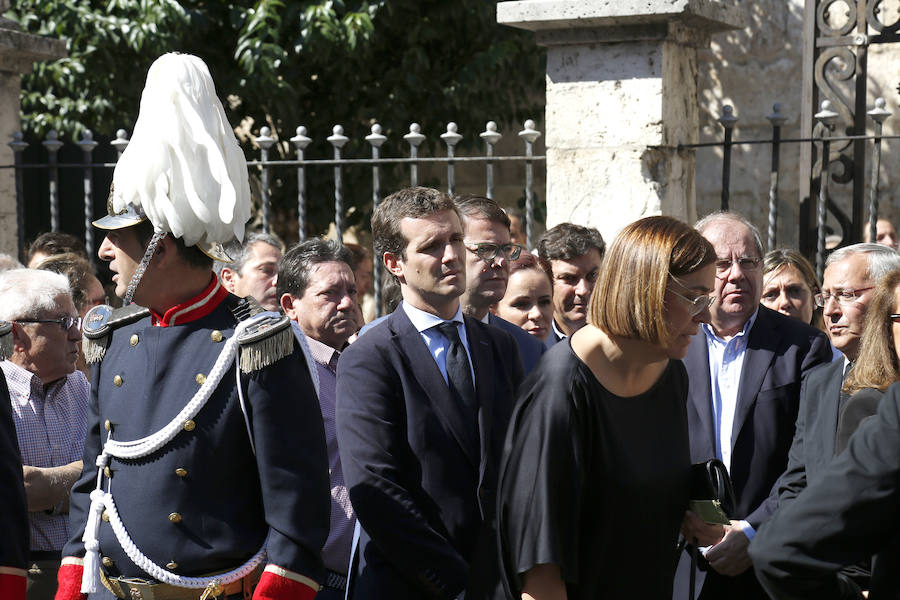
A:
x: 49, y: 400
x: 744, y: 369
x: 850, y: 277
x: 488, y: 254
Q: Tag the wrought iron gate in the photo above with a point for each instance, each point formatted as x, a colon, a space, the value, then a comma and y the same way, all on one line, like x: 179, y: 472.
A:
x: 836, y: 38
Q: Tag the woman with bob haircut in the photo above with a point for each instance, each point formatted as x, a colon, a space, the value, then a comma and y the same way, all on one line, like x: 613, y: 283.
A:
x: 595, y: 474
x: 878, y: 363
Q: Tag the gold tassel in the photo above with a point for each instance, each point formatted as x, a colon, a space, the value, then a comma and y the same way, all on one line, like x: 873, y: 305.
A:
x: 94, y: 349
x: 269, y: 341
x: 6, y: 340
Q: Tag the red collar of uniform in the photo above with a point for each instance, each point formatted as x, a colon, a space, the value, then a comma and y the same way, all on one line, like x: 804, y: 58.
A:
x: 197, y: 307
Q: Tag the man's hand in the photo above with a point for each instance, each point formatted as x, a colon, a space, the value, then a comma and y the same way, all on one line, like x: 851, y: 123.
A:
x: 696, y: 530
x: 46, y: 487
x: 730, y: 557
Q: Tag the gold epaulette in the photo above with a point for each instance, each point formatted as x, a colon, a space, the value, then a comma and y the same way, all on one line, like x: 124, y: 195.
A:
x: 267, y: 339
x: 100, y: 322
x: 6, y: 340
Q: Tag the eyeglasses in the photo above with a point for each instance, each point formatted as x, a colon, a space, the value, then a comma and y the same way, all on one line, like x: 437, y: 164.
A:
x: 894, y: 317
x: 65, y: 321
x: 697, y: 304
x: 488, y: 252
x: 746, y: 263
x: 843, y: 297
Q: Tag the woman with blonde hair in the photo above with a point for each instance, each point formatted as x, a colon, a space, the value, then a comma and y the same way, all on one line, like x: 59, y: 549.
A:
x: 790, y: 286
x: 878, y: 363
x: 595, y: 475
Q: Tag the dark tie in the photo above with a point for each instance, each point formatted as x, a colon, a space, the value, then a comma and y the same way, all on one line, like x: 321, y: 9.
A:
x: 333, y: 361
x: 842, y: 400
x: 459, y: 373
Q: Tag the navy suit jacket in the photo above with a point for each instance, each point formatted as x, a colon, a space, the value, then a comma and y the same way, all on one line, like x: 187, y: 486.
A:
x: 14, y: 529
x: 844, y: 516
x: 420, y: 474
x: 780, y: 351
x: 531, y: 349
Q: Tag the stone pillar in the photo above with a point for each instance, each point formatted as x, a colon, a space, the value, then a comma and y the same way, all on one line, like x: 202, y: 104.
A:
x: 621, y: 95
x: 18, y: 52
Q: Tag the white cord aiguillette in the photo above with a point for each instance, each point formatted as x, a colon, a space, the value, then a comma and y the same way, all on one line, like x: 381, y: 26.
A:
x: 101, y: 500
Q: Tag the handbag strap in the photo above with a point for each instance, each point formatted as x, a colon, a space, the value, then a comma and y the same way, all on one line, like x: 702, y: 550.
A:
x: 718, y: 476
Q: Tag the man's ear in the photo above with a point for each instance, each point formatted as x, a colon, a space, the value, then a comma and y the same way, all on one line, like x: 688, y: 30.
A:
x: 290, y: 306
x: 166, y: 252
x: 228, y: 276
x: 21, y: 339
x: 393, y: 264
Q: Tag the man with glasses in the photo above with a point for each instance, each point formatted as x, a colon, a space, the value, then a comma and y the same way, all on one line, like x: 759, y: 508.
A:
x: 744, y: 369
x: 850, y: 277
x: 49, y: 400
x: 488, y: 254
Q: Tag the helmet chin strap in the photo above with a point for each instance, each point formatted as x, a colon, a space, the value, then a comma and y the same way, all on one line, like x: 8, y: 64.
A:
x: 142, y: 266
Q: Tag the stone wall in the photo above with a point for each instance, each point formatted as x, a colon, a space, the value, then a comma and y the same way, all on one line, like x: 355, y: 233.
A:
x: 18, y: 52
x: 753, y: 68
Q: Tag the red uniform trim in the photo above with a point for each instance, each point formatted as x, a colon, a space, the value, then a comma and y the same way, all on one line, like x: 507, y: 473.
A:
x: 69, y: 579
x: 12, y: 586
x: 196, y: 308
x: 276, y: 587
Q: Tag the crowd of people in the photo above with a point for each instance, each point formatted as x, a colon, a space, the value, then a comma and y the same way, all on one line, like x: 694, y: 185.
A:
x: 520, y: 425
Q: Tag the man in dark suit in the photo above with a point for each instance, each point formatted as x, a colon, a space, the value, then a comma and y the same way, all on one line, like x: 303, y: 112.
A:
x: 13, y: 512
x: 850, y: 277
x: 744, y: 369
x: 488, y: 254
x: 423, y: 400
x: 844, y: 516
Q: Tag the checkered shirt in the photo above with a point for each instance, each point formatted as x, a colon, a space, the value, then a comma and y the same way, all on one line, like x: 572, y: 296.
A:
x: 51, y: 424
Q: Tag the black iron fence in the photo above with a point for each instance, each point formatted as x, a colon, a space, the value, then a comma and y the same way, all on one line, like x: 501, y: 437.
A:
x: 265, y: 167
x: 828, y: 121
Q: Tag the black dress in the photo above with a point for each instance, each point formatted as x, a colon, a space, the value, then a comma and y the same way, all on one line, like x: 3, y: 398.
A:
x: 594, y: 483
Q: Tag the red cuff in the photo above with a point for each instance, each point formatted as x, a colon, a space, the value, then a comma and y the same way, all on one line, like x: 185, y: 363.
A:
x: 69, y: 579
x: 273, y: 586
x: 12, y: 583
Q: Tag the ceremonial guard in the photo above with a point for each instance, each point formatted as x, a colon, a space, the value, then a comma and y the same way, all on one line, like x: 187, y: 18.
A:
x: 13, y: 513
x: 206, y: 473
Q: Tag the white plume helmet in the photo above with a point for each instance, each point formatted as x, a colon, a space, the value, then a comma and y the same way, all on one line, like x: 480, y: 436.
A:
x: 183, y: 167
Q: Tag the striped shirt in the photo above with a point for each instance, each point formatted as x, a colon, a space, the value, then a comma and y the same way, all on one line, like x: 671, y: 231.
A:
x: 51, y: 423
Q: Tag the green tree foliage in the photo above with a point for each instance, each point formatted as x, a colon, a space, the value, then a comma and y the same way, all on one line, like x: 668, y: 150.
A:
x: 287, y: 63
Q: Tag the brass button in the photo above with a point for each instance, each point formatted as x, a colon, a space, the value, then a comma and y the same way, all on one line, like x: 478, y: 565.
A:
x: 175, y: 517
x: 216, y: 335
x: 107, y: 562
x: 118, y: 381
x: 172, y: 565
x: 105, y: 516
x: 134, y: 340
x: 107, y: 425
x: 200, y: 378
x: 181, y: 472
x: 107, y: 472
x: 189, y: 425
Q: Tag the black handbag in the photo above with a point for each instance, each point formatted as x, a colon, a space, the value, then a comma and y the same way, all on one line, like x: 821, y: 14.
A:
x: 712, y: 494
x: 713, y: 499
